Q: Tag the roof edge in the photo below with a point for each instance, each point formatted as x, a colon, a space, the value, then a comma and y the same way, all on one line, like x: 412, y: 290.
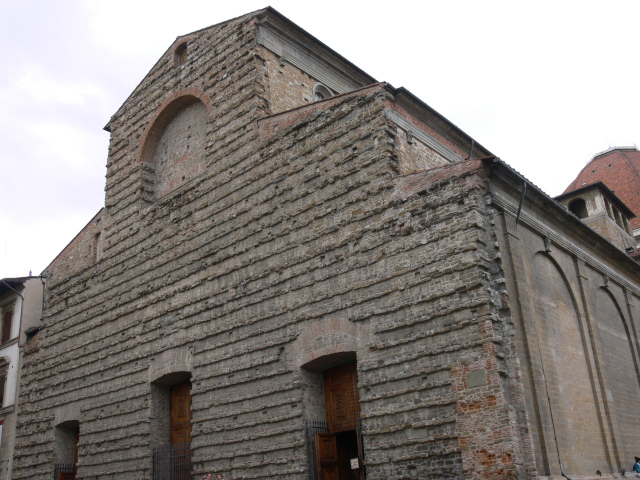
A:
x: 501, y: 164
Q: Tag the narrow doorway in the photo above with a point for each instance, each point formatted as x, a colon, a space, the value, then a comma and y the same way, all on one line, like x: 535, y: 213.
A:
x: 67, y: 439
x: 171, y: 406
x: 181, y: 430
x: 339, y: 452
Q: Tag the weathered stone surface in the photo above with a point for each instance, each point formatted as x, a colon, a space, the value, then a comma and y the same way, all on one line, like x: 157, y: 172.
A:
x: 306, y: 238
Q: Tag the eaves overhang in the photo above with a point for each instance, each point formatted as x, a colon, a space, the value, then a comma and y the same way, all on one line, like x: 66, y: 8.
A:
x: 11, y: 284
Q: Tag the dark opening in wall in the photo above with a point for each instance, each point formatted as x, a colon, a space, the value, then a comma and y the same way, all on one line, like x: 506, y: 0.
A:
x: 97, y: 247
x: 579, y: 208
x: 180, y: 56
x: 618, y: 217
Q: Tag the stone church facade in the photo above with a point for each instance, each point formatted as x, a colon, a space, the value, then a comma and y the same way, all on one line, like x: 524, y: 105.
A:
x: 302, y: 273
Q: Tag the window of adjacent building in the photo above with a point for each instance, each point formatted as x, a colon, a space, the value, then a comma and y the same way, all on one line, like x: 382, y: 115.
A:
x: 3, y: 381
x: 6, y: 326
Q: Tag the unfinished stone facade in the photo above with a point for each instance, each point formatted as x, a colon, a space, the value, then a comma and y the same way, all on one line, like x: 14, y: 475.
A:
x: 254, y: 239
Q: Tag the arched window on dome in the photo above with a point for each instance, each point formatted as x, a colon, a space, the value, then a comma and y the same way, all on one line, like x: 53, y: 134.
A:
x: 608, y: 207
x: 579, y: 208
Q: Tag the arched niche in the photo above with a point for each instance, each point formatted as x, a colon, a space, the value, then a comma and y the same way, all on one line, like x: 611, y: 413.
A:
x: 173, y: 146
x: 574, y: 425
x: 321, y: 92
x: 620, y: 369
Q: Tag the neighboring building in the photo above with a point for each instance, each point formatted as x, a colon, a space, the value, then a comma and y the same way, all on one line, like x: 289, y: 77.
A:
x: 21, y: 315
x: 302, y: 273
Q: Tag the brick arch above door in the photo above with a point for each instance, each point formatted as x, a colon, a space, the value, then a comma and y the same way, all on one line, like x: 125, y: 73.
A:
x: 328, y: 338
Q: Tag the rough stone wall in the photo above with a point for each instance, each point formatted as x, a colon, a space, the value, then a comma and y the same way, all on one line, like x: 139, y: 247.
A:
x: 414, y: 156
x: 288, y: 86
x: 473, y: 341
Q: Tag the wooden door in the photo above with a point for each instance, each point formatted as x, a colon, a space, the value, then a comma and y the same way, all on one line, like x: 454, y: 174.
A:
x: 181, y: 413
x: 327, y: 456
x: 341, y: 398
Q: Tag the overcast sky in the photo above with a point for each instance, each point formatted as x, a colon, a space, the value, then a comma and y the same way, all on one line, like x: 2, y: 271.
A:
x: 543, y: 85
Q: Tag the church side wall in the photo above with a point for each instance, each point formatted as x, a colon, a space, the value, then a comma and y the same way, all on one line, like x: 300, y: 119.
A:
x: 576, y: 338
